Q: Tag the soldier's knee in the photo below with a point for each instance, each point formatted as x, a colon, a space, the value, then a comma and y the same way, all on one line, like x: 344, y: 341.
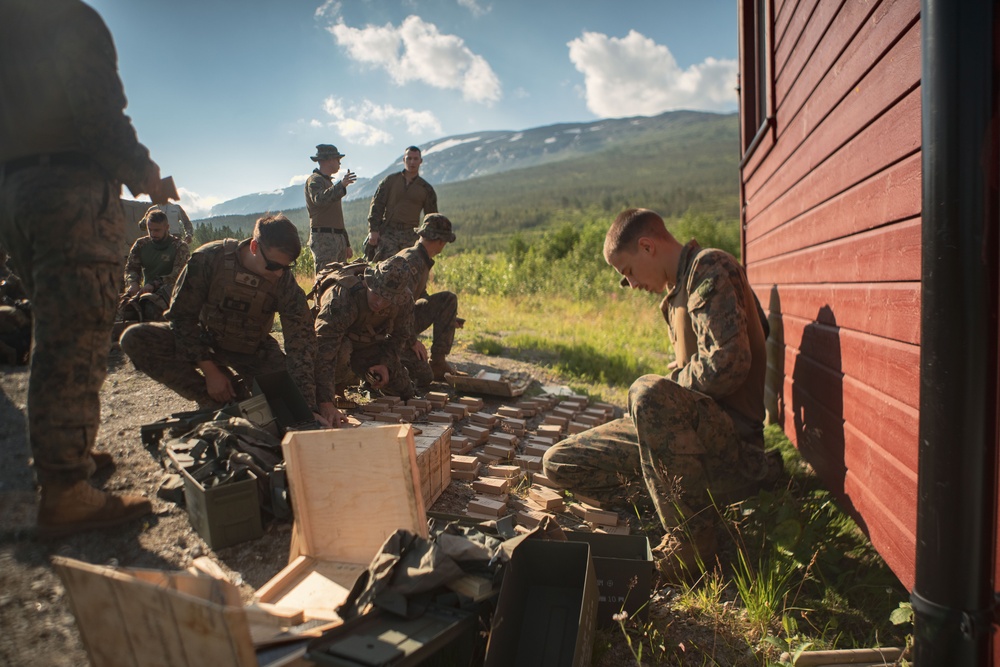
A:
x: 650, y: 392
x: 131, y: 341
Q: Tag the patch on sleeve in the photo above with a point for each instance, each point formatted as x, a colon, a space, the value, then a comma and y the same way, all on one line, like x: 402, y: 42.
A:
x: 705, y: 288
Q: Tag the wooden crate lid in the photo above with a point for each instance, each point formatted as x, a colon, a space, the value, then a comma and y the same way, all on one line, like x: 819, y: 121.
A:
x: 351, y: 488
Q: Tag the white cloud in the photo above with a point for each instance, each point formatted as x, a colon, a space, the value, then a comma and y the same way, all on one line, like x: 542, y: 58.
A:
x: 474, y: 7
x: 329, y: 9
x: 635, y: 76
x: 364, y: 123
x: 417, y: 51
x: 298, y: 180
x: 195, y: 205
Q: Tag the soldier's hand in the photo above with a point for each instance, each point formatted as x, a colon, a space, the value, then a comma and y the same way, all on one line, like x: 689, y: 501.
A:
x: 373, y: 239
x: 350, y: 253
x: 133, y: 290
x: 349, y: 178
x: 381, y: 373
x: 420, y: 350
x: 330, y: 416
x: 219, y: 386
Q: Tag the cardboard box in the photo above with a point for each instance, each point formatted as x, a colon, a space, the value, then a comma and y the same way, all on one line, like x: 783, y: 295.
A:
x: 351, y: 489
x: 222, y: 515
x: 618, y: 559
x: 547, y: 608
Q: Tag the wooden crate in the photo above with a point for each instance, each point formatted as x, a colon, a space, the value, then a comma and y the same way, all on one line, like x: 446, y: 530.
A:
x: 351, y: 489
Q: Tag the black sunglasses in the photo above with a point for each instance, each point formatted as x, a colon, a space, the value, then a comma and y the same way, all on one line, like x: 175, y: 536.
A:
x: 273, y: 266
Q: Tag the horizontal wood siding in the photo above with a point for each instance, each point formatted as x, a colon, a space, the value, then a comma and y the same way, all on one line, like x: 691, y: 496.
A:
x: 833, y: 250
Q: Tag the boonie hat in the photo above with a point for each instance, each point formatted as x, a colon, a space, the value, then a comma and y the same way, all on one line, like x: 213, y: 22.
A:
x: 391, y: 280
x: 326, y: 152
x: 436, y: 227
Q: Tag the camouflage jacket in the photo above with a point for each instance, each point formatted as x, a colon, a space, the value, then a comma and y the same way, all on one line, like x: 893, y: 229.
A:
x: 420, y: 268
x: 136, y: 275
x: 60, y: 89
x: 344, y: 314
x: 396, y: 204
x: 213, y: 306
x: 323, y: 200
x: 716, y: 333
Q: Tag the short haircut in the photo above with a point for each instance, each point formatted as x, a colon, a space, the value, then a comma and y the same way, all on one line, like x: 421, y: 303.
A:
x: 631, y: 225
x: 412, y: 148
x: 155, y: 215
x: 277, y: 232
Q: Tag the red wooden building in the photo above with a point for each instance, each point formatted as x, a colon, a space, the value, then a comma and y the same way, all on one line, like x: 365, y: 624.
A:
x: 869, y: 180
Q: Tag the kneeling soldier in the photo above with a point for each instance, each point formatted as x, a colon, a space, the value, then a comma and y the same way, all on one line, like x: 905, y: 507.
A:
x: 439, y: 309
x: 154, y: 262
x: 364, y: 321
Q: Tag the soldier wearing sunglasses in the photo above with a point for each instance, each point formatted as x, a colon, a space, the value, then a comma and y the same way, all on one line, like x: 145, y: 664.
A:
x: 217, y: 337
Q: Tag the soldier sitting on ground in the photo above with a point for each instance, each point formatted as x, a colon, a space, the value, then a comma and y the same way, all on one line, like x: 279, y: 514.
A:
x: 364, y: 321
x: 153, y: 264
x: 220, y: 318
x: 439, y: 309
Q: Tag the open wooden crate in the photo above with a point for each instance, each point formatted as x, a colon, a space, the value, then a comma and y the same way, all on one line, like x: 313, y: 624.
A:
x: 351, y: 489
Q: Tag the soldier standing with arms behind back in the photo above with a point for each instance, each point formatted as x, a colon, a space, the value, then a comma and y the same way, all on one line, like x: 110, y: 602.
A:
x: 66, y: 147
x: 396, y: 206
x: 327, y: 236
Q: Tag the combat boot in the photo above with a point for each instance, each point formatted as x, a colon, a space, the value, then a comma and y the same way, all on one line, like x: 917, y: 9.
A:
x: 66, y: 509
x: 98, y: 461
x: 684, y: 553
x: 440, y: 366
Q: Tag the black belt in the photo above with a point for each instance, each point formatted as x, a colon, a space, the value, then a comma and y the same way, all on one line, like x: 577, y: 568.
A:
x: 329, y: 230
x: 47, y: 160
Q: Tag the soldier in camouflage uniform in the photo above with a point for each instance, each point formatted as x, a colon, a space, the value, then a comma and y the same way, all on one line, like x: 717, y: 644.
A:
x: 439, y: 309
x: 221, y: 315
x: 327, y: 236
x: 396, y: 206
x: 153, y: 265
x: 65, y: 149
x: 363, y: 323
x: 695, y: 434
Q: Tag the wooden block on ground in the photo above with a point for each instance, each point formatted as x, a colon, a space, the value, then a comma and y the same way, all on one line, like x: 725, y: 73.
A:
x: 437, y: 398
x: 529, y: 408
x: 592, y: 514
x: 516, y: 426
x: 459, y: 462
x: 508, y: 472
x: 475, y: 404
x: 440, y: 417
x: 493, y: 486
x: 389, y: 417
x: 543, y: 439
x: 535, y: 449
x: 420, y: 404
x: 547, y: 498
x: 529, y: 517
x: 488, y: 506
x: 528, y: 462
x: 477, y: 434
x: 486, y: 458
x: 456, y: 409
x: 589, y: 420
x: 563, y: 412
x: 460, y: 444
x: 576, y: 427
x: 550, y: 430
x: 540, y: 478
x: 508, y: 411
x: 556, y: 419
x: 503, y: 451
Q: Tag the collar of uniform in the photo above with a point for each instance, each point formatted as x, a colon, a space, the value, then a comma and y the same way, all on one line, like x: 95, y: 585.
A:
x: 422, y: 251
x: 325, y: 177
x: 688, y: 252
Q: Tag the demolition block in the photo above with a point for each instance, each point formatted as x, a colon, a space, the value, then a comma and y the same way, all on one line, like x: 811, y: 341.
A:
x: 528, y: 462
x: 505, y: 471
x: 460, y: 444
x: 508, y: 411
x: 488, y: 506
x: 456, y: 409
x: 375, y: 408
x: 466, y: 475
x: 491, y: 486
x: 503, y: 439
x: 389, y: 417
x: 546, y: 498
x: 514, y: 425
x: 483, y: 419
x: 542, y: 439
x: 589, y: 420
x: 437, y: 398
x: 489, y: 459
x: 420, y: 404
x: 388, y: 400
x: 406, y: 412
x: 440, y: 417
x: 529, y: 518
x: 535, y: 449
x: 503, y: 451
x: 563, y: 412
x: 475, y: 404
x: 540, y: 478
x: 621, y: 529
x: 459, y: 462
x: 576, y: 427
x: 556, y: 419
x: 528, y: 407
x: 594, y: 515
x: 551, y: 431
x: 477, y: 434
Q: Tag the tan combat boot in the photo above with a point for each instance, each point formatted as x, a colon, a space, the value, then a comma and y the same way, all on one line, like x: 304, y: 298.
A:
x: 77, y: 507
x: 98, y: 461
x: 440, y: 366
x: 684, y: 553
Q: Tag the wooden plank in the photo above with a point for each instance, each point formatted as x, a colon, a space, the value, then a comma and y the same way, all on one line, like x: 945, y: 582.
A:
x: 887, y: 254
x: 789, y: 64
x: 792, y: 34
x: 352, y: 488
x: 888, y: 310
x: 819, y: 132
x: 783, y: 11
x: 895, y: 542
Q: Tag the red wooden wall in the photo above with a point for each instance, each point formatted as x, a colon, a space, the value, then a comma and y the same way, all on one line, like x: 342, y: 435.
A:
x: 832, y: 195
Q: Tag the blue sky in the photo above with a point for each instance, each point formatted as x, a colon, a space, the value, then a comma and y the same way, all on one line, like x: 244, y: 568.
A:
x: 232, y: 97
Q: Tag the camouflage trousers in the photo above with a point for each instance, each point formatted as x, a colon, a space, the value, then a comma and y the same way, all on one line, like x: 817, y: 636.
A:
x: 328, y: 247
x: 678, y: 442
x: 148, y: 307
x: 153, y: 350
x: 393, y: 239
x: 355, y: 359
x: 438, y: 310
x: 64, y: 228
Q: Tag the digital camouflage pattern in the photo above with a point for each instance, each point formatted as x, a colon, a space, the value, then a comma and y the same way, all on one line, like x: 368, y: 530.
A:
x: 149, y: 265
x: 684, y: 436
x: 438, y: 310
x: 351, y: 338
x: 324, y: 203
x: 395, y: 212
x: 63, y: 224
x: 223, y: 312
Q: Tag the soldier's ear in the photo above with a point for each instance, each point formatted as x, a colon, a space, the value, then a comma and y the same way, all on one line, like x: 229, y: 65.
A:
x: 646, y: 245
